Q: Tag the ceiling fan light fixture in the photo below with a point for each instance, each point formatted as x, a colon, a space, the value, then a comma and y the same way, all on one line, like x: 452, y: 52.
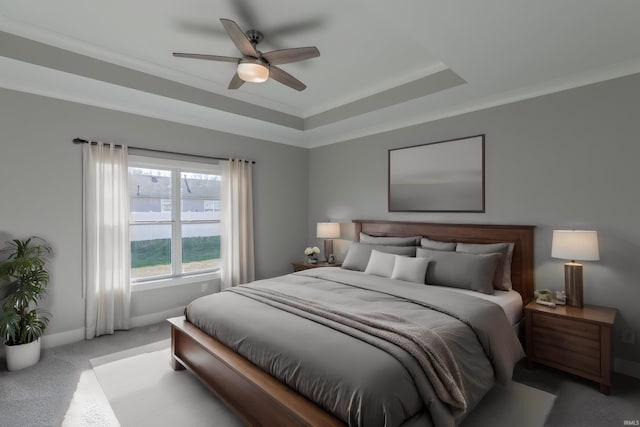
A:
x: 253, y: 70
x: 253, y: 66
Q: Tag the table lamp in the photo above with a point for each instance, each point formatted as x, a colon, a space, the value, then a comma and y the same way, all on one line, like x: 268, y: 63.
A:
x: 574, y: 245
x: 328, y: 231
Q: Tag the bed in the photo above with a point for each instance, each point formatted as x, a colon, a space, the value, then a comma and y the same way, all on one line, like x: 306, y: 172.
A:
x: 262, y: 400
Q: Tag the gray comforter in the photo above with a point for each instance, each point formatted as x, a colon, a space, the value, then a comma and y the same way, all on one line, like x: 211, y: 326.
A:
x: 372, y: 351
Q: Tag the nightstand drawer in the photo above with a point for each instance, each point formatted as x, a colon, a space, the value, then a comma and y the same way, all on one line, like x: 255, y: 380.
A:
x: 567, y: 326
x: 566, y: 341
x: 559, y: 356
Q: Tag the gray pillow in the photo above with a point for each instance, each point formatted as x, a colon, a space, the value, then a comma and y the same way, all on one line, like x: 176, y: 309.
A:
x: 461, y: 270
x: 437, y: 245
x: 358, y: 256
x: 502, y: 277
x: 389, y: 241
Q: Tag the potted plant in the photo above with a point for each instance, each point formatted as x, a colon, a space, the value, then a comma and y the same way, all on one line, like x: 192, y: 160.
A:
x: 23, y: 283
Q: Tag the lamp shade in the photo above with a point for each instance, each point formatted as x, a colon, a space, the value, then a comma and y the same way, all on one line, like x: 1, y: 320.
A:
x: 328, y: 230
x: 577, y: 245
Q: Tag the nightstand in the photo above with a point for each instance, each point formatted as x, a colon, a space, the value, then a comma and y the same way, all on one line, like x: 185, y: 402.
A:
x: 299, y: 266
x: 572, y: 339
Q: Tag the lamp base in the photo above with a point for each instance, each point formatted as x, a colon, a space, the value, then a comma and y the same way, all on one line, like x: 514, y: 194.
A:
x: 328, y: 249
x: 573, y: 284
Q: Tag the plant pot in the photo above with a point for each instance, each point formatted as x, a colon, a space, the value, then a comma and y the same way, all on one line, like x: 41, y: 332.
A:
x: 22, y: 355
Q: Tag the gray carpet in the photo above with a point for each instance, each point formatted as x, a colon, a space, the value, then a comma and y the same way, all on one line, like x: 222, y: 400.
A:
x: 579, y: 402
x: 40, y: 395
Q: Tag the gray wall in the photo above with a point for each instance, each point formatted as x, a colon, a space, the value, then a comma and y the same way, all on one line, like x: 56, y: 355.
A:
x: 41, y: 185
x: 566, y: 160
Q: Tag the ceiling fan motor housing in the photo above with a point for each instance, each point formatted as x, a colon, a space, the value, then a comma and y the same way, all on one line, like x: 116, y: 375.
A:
x: 254, y: 36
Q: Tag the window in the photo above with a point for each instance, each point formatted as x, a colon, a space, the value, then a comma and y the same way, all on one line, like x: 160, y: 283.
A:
x: 174, y: 219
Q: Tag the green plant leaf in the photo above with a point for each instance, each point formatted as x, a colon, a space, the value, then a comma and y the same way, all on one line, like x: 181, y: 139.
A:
x: 23, y: 283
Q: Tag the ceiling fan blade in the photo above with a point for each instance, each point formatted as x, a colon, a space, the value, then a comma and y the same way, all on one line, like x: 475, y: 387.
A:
x: 285, y: 78
x: 296, y: 27
x: 207, y: 57
x: 245, y: 13
x: 236, y: 82
x: 200, y: 28
x: 285, y: 56
x: 239, y: 38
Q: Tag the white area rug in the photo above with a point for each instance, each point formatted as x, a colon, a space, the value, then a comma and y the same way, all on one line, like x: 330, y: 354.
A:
x: 89, y: 406
x: 143, y: 390
x: 512, y: 405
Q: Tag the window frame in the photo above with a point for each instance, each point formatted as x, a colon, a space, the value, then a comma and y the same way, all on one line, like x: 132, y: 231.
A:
x: 177, y: 167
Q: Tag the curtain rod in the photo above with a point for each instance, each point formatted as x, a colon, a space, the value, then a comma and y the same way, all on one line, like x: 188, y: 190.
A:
x: 84, y: 141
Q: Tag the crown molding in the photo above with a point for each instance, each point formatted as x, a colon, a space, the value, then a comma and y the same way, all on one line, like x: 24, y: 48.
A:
x: 30, y: 78
x: 80, y: 47
x: 415, y: 115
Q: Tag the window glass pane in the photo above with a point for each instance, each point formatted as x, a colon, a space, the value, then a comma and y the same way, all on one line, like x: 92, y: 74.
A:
x: 150, y: 250
x: 200, y: 194
x: 200, y: 247
x: 150, y: 194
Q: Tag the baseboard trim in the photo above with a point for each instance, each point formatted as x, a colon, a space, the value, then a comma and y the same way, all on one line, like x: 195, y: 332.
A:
x: 627, y: 367
x: 62, y: 338
x: 75, y: 335
x: 150, y: 319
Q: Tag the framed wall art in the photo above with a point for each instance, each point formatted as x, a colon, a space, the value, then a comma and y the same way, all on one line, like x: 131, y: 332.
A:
x: 444, y: 176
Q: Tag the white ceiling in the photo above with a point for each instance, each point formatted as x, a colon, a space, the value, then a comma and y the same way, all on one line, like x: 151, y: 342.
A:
x: 503, y: 50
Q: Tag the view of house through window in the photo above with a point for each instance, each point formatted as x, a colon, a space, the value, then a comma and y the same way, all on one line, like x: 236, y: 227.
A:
x: 174, y: 218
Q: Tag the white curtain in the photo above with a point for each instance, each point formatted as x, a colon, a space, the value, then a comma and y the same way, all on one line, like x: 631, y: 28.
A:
x: 237, y: 223
x: 105, y: 238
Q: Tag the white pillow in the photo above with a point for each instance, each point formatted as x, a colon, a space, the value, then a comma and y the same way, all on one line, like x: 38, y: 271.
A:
x: 380, y: 264
x: 410, y: 269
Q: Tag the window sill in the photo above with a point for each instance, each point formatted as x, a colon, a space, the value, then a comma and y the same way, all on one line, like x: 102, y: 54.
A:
x: 174, y: 281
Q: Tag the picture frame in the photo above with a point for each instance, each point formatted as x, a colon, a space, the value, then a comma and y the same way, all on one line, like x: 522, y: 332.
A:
x: 442, y: 176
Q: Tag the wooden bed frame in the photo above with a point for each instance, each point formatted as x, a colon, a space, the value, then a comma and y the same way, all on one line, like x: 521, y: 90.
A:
x: 260, y: 399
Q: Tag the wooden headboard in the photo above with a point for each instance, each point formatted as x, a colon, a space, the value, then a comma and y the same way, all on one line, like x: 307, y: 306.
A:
x: 520, y: 235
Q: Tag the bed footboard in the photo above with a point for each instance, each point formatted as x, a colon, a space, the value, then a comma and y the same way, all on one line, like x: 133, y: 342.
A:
x: 256, y: 397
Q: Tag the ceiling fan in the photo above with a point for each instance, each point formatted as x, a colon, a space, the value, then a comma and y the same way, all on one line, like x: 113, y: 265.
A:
x: 255, y: 66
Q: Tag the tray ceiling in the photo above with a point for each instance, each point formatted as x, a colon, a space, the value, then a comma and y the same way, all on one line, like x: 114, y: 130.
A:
x: 383, y: 65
